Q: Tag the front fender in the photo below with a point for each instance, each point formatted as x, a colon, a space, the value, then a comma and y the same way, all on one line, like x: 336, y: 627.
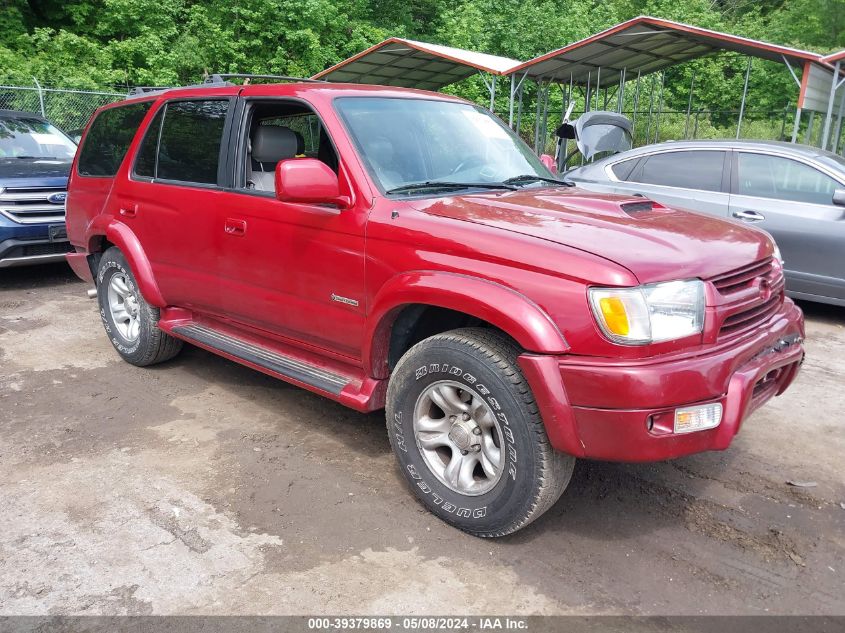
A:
x: 503, y: 307
x: 123, y: 238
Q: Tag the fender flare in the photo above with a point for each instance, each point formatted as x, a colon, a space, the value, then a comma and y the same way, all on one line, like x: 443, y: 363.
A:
x: 123, y: 238
x: 501, y: 306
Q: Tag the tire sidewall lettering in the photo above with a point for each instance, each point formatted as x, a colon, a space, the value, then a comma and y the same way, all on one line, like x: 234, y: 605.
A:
x: 107, y: 269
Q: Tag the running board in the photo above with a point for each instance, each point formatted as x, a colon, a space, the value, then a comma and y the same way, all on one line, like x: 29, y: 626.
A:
x: 277, y: 363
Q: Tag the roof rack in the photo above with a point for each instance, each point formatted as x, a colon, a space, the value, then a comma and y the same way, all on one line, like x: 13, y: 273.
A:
x: 217, y: 78
x: 139, y: 90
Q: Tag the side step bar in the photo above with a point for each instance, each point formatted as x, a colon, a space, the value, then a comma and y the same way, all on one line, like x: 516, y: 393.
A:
x: 283, y: 365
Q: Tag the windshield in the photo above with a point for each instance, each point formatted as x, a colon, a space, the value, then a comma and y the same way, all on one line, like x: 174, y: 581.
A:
x: 409, y: 141
x: 24, y: 138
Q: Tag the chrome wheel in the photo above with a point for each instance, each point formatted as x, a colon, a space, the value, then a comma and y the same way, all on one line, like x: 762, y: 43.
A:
x: 459, y: 437
x: 124, y: 307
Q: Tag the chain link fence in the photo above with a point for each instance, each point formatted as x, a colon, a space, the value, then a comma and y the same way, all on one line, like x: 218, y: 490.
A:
x: 69, y: 109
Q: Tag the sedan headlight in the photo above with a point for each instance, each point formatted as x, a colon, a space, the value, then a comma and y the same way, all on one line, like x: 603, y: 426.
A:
x: 651, y: 313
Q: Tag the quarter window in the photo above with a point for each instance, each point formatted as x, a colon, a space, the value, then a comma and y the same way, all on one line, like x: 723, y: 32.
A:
x: 622, y: 170
x: 108, y: 139
x: 784, y: 179
x: 686, y: 170
x: 189, y: 142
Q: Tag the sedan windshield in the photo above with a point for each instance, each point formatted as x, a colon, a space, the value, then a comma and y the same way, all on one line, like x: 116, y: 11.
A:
x: 438, y: 145
x: 31, y: 138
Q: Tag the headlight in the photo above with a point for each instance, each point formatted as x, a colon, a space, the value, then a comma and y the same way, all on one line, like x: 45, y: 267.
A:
x: 652, y: 313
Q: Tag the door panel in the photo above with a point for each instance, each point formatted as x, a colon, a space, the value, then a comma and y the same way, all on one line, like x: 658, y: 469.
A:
x: 295, y: 270
x: 811, y: 236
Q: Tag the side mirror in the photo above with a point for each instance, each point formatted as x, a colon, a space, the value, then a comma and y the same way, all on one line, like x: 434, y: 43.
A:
x: 308, y: 181
x: 839, y: 197
x: 549, y: 162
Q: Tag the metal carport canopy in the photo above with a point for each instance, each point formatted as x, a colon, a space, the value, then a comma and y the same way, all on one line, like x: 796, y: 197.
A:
x: 410, y: 64
x: 643, y: 45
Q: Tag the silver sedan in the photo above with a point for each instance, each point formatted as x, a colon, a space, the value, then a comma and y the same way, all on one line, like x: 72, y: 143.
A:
x: 794, y: 192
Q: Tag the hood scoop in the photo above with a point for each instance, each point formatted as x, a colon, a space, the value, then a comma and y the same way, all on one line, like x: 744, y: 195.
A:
x: 634, y: 209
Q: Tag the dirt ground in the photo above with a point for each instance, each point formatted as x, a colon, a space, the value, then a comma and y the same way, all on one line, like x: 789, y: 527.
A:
x: 200, y: 486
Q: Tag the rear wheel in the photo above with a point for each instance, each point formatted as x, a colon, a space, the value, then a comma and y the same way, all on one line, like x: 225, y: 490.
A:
x: 130, y: 322
x: 468, y: 436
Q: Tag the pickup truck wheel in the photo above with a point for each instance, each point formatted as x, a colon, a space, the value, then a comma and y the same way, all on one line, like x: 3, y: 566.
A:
x: 468, y: 436
x: 130, y: 322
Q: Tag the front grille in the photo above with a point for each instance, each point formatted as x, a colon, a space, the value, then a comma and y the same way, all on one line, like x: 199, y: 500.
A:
x: 741, y: 321
x: 35, y: 250
x: 31, y: 205
x: 743, y: 277
x: 750, y: 295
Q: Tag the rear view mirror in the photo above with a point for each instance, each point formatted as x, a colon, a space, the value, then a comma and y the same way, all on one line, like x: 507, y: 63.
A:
x: 839, y: 197
x: 308, y: 181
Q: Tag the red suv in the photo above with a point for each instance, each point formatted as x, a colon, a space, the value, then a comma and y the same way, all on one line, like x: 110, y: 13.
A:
x: 399, y: 249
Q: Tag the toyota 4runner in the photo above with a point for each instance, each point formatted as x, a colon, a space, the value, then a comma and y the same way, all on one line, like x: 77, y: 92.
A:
x: 399, y: 249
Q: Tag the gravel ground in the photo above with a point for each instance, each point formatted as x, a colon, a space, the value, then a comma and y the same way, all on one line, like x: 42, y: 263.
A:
x: 202, y: 487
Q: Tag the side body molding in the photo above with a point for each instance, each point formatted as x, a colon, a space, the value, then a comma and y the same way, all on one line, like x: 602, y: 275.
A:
x: 122, y: 236
x: 487, y: 300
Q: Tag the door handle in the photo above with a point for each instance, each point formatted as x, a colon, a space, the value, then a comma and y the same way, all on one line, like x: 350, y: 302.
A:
x: 237, y: 228
x: 130, y: 211
x: 750, y: 216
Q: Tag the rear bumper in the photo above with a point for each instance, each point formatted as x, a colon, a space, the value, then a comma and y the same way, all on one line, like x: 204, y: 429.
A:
x: 78, y: 262
x: 606, y: 409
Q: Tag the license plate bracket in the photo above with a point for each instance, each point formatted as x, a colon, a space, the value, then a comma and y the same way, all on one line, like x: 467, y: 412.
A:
x: 58, y: 233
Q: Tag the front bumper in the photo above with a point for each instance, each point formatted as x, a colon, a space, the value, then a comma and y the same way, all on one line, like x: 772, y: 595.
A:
x: 623, y: 411
x: 33, y: 250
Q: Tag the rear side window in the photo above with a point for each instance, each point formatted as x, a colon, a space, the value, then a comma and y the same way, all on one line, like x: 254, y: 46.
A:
x: 623, y: 168
x: 145, y: 163
x: 190, y: 140
x: 108, y: 139
x: 687, y: 170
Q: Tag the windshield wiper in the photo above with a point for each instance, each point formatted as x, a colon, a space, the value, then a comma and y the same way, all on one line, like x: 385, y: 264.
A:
x: 527, y: 178
x: 445, y: 184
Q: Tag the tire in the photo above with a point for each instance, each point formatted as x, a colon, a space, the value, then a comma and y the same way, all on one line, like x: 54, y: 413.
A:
x: 136, y: 338
x: 477, y: 368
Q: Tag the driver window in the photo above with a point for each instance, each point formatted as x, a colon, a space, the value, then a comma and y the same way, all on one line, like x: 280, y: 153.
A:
x: 280, y: 131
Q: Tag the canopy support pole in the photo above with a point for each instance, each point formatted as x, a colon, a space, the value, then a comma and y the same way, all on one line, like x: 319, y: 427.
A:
x: 519, y: 107
x: 587, y: 94
x: 659, y: 107
x: 834, y: 86
x: 515, y: 87
x: 598, y: 86
x: 809, y: 134
x: 838, y: 129
x: 510, y: 102
x: 689, y: 104
x: 620, y: 96
x: 537, y: 115
x: 797, y: 124
x: 545, y: 130
x: 650, y: 110
x: 491, y: 87
x: 636, y: 103
x: 744, y: 95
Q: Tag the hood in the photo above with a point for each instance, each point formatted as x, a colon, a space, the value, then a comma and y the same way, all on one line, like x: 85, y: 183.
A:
x: 19, y: 172
x: 652, y: 241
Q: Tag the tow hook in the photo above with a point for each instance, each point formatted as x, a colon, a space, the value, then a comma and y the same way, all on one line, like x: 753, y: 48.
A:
x: 92, y: 293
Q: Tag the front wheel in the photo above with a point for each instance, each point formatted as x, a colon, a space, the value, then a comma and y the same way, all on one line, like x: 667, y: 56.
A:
x: 468, y: 436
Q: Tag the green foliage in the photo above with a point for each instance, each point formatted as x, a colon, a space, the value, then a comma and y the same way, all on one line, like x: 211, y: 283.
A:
x: 111, y: 44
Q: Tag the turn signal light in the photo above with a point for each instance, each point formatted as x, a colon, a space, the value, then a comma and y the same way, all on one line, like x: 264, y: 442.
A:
x: 698, y: 418
x: 615, y: 317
